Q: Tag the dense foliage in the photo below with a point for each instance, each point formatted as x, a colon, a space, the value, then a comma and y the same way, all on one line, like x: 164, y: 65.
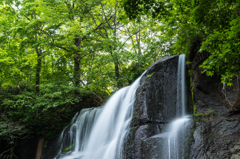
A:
x: 57, y: 57
x: 198, y: 26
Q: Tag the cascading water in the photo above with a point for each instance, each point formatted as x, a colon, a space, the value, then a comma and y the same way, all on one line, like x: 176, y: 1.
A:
x: 99, y: 133
x: 181, y: 87
x: 178, y: 128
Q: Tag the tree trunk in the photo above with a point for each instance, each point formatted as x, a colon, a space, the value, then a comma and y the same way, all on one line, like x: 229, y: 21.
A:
x: 76, y: 75
x: 77, y: 60
x: 38, y: 69
x: 117, y: 74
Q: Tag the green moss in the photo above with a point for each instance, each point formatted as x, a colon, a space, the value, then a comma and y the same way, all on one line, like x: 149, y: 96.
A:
x: 136, y: 115
x: 150, y: 75
x: 230, y: 119
x: 192, y: 104
x: 134, y: 129
x: 68, y: 149
x: 194, y: 109
x: 210, y: 113
x: 190, y: 73
x: 199, y: 116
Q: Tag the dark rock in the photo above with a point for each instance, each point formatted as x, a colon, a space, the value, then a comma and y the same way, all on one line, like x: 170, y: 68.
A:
x: 231, y: 94
x: 154, y: 107
x: 207, y: 93
x: 210, y: 93
x: 215, y: 136
x: 156, y: 94
x: 133, y: 144
x: 155, y: 146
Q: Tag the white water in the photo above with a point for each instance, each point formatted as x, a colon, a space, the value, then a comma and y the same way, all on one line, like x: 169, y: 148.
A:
x: 181, y: 86
x: 177, y: 129
x: 99, y: 133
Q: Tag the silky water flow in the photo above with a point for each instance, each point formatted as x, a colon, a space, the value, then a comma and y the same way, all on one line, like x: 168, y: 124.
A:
x: 98, y: 133
x: 178, y: 129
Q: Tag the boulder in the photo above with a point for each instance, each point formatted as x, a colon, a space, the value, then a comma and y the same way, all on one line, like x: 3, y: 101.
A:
x: 154, y: 107
x: 156, y: 95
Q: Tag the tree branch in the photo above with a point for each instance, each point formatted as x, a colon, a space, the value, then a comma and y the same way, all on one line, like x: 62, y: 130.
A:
x: 91, y: 91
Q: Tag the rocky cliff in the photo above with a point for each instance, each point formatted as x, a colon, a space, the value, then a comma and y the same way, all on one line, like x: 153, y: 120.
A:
x: 154, y: 108
x: 216, y: 133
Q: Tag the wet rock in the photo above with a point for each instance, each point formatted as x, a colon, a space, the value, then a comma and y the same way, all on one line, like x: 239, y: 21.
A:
x: 155, y: 146
x: 207, y: 93
x: 215, y: 136
x: 133, y: 147
x: 210, y: 93
x: 236, y: 148
x: 156, y: 96
x: 235, y: 156
x: 231, y: 94
x: 154, y: 107
x: 156, y: 93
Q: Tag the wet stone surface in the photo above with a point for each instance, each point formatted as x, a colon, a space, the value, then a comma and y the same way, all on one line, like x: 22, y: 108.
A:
x: 155, y: 146
x: 215, y: 136
x: 154, y: 108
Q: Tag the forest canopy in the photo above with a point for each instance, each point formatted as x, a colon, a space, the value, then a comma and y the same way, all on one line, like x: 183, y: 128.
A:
x: 210, y: 26
x: 58, y: 55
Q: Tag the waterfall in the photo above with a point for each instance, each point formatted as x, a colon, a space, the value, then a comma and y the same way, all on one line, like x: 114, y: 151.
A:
x: 178, y: 128
x: 99, y: 133
x: 181, y: 87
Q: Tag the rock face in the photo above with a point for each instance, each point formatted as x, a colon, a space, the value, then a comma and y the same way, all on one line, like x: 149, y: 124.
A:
x: 157, y: 93
x: 216, y: 134
x: 154, y: 147
x: 154, y: 107
x: 216, y: 129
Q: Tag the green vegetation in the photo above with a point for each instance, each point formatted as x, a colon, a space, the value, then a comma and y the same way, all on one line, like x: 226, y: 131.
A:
x: 150, y: 75
x: 59, y: 56
x: 197, y: 26
x: 68, y: 149
x: 199, y: 116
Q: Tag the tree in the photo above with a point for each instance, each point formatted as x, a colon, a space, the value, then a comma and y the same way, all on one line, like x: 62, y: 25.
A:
x: 212, y: 24
x: 57, y: 54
